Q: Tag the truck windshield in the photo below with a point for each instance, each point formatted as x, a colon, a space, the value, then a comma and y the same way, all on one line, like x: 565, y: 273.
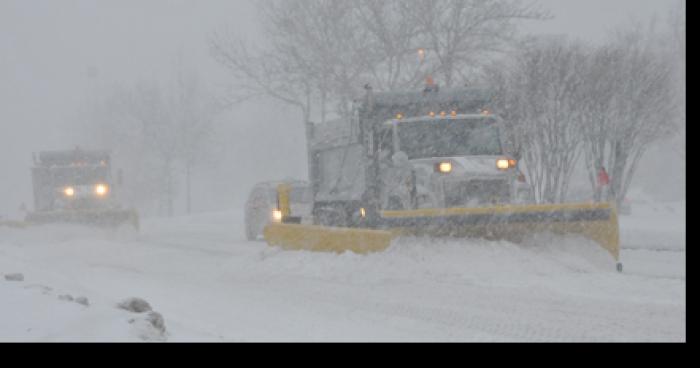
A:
x: 77, y: 175
x: 449, y: 138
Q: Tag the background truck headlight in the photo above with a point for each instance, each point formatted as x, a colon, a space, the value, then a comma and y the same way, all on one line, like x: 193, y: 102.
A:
x: 277, y: 215
x: 69, y: 192
x: 445, y: 167
x: 101, y: 190
x: 502, y: 164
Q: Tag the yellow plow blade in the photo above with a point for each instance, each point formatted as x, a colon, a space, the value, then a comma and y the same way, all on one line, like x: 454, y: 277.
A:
x: 327, y: 239
x: 597, y: 222
x: 13, y: 224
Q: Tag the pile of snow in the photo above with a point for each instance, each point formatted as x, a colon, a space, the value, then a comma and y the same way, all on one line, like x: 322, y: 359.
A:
x: 37, y: 312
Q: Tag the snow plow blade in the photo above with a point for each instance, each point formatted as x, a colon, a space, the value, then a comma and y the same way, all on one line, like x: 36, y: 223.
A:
x: 326, y: 239
x: 597, y: 222
x: 13, y: 224
x: 97, y: 218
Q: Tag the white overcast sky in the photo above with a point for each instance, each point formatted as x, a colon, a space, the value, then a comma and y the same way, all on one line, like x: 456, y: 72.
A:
x: 47, y: 46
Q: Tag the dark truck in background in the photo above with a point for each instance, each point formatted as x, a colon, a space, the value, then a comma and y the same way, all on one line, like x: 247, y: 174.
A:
x: 76, y: 186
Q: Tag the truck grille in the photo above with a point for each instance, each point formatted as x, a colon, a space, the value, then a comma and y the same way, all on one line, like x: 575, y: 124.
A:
x: 477, y: 192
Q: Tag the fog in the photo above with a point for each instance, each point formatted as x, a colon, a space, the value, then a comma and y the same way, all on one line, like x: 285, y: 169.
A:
x: 55, y: 54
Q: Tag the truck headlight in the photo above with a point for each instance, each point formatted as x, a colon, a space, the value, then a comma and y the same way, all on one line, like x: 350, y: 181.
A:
x: 502, y: 164
x: 101, y: 190
x: 444, y: 167
x: 69, y: 192
x: 276, y: 215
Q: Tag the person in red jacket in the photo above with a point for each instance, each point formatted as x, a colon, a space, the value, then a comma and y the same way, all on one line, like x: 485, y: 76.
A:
x: 603, y: 178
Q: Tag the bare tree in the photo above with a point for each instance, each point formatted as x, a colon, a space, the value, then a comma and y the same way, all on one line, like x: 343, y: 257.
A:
x: 146, y: 106
x: 644, y: 108
x: 629, y: 103
x: 193, y: 113
x: 393, y: 56
x: 154, y: 129
x: 464, y: 35
x: 676, y: 52
x: 321, y: 52
x: 538, y: 97
x: 308, y: 60
x: 131, y: 121
x: 598, y: 104
x: 257, y: 73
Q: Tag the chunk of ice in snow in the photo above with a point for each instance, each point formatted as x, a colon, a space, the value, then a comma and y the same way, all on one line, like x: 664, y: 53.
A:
x: 14, y: 277
x: 136, y: 305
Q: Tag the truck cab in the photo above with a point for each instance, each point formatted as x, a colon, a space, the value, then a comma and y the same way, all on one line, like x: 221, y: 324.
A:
x: 77, y: 187
x: 454, y: 160
x: 434, y: 149
x: 72, y: 180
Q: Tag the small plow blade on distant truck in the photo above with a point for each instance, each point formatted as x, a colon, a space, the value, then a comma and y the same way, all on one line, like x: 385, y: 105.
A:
x: 95, y: 218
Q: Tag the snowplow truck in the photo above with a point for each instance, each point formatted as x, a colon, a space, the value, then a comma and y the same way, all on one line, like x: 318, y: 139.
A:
x: 76, y: 187
x: 427, y: 163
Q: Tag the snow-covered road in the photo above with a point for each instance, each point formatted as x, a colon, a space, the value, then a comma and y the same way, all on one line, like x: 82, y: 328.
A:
x: 211, y: 285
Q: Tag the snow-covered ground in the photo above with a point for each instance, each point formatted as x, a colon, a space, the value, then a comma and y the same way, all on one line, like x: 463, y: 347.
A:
x: 209, y: 284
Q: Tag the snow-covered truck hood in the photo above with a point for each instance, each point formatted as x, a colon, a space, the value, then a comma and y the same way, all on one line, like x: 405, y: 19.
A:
x: 479, y: 172
x: 463, y: 166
